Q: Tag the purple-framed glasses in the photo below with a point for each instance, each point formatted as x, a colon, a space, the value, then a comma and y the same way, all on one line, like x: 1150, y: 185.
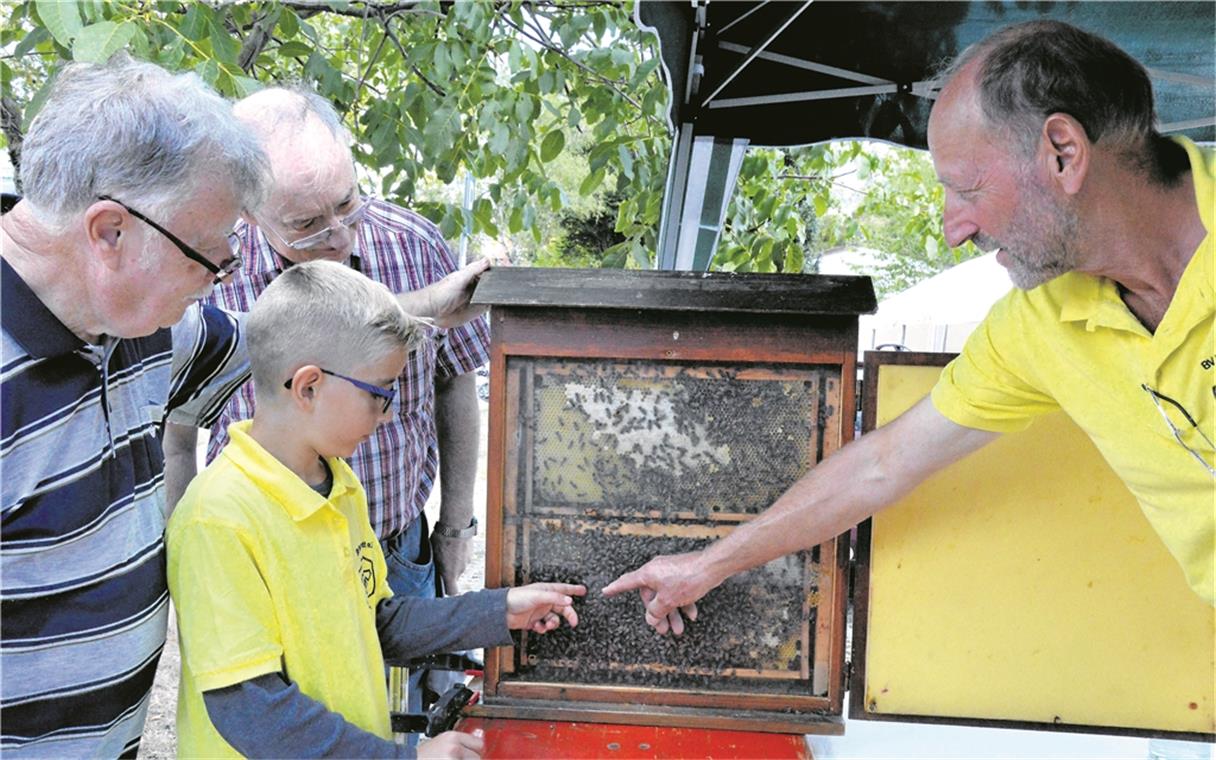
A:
x: 386, y: 394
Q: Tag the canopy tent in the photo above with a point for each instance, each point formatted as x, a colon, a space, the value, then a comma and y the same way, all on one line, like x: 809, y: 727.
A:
x: 795, y: 73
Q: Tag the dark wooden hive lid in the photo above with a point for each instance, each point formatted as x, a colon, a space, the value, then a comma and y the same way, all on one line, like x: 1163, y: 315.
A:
x: 676, y: 291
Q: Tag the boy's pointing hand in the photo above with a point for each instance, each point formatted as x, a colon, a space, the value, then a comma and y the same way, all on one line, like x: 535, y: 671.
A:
x: 540, y: 607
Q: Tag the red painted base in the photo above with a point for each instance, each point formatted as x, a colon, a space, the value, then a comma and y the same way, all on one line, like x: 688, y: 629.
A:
x: 511, y: 738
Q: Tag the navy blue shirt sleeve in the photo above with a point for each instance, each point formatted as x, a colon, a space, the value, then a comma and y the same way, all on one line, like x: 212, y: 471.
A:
x: 269, y: 717
x: 210, y: 363
x: 410, y: 626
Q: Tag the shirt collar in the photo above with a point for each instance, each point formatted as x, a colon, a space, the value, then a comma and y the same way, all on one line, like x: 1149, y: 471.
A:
x: 1096, y: 301
x: 270, y: 475
x: 29, y: 321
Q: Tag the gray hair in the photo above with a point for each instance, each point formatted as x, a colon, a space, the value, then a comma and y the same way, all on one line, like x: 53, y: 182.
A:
x: 327, y: 314
x: 1031, y: 70
x: 134, y: 131
x: 270, y: 110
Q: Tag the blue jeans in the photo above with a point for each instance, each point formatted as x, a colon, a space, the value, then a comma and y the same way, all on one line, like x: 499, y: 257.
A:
x: 411, y: 572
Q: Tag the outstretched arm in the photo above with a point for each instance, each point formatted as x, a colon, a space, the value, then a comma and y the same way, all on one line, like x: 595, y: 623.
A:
x: 412, y: 627
x: 856, y: 482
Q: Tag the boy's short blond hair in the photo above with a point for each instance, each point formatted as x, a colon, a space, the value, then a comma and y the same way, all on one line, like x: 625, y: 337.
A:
x: 327, y: 314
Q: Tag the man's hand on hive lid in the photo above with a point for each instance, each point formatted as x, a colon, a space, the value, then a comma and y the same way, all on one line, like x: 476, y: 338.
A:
x: 670, y: 586
x: 540, y: 607
x: 446, y: 303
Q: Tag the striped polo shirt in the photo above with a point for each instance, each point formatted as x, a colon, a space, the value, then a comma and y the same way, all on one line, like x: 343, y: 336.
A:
x: 398, y: 464
x: 82, y: 557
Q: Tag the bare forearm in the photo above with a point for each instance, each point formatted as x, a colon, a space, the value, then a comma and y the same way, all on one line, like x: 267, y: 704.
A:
x: 417, y: 303
x: 180, y: 445
x: 457, y: 423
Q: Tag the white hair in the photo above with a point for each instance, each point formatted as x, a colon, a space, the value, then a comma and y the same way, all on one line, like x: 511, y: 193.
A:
x: 132, y: 130
x: 327, y: 314
x: 273, y: 111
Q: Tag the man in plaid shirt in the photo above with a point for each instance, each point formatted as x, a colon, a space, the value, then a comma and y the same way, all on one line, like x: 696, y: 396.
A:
x: 316, y: 211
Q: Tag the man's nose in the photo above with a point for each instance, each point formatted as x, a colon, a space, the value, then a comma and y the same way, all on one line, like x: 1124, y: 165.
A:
x: 956, y: 226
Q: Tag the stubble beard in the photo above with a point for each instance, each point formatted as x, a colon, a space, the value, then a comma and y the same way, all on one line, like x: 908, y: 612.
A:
x: 1040, y: 244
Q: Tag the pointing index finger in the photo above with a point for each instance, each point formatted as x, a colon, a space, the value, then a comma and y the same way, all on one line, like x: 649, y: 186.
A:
x: 627, y: 582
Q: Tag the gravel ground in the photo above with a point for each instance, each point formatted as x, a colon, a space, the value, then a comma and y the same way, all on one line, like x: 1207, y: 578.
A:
x: 160, y: 735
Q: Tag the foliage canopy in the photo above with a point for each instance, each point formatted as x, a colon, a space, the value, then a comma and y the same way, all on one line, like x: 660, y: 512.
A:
x: 556, y: 110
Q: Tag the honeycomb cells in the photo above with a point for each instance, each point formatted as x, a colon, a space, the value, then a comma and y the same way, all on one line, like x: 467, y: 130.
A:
x: 617, y: 461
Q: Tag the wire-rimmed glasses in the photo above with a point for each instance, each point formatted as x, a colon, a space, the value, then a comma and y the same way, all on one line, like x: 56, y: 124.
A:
x: 1158, y: 398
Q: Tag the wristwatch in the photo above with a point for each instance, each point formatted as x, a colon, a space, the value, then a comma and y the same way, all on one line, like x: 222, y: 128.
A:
x: 449, y: 532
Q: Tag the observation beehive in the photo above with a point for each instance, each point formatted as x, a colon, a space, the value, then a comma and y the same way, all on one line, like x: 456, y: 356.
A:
x: 643, y: 413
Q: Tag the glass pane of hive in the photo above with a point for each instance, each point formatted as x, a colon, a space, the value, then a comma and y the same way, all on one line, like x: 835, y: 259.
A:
x: 616, y: 461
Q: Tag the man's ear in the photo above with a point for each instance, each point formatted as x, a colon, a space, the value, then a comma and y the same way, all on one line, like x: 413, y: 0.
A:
x: 1066, y: 151
x: 304, y: 385
x: 108, y: 230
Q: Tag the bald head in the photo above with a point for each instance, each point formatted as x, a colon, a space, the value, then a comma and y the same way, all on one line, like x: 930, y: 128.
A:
x: 313, y: 186
x: 277, y: 110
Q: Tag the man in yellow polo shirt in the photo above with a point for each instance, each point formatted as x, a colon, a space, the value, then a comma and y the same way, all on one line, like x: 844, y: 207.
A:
x: 1043, y: 138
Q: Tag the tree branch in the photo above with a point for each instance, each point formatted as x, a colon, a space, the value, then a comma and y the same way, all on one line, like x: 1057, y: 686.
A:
x: 10, y: 123
x: 418, y: 72
x: 371, y: 62
x: 255, y: 42
x: 548, y: 45
x: 323, y: 6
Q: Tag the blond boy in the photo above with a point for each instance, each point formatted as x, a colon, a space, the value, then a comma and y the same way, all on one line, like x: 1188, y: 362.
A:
x: 284, y: 616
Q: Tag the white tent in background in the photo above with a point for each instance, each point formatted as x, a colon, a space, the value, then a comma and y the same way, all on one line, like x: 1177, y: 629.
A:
x: 936, y: 314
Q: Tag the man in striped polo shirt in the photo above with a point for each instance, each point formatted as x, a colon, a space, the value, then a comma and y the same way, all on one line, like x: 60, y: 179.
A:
x: 133, y: 179
x: 315, y: 210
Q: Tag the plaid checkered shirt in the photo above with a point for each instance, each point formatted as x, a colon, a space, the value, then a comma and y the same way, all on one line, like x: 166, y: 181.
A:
x: 399, y: 463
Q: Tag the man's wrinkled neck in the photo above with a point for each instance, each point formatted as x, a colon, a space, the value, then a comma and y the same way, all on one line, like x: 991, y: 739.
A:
x: 44, y: 260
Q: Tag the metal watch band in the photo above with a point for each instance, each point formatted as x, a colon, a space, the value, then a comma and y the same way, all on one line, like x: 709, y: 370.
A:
x: 450, y: 532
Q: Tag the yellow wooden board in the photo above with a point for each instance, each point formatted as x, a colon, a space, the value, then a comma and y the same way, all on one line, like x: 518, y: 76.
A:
x: 1024, y: 583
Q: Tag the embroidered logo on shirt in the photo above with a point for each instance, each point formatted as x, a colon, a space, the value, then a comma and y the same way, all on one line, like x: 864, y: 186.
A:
x: 367, y: 568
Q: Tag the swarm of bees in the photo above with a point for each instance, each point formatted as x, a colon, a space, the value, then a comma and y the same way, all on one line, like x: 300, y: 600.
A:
x: 621, y: 454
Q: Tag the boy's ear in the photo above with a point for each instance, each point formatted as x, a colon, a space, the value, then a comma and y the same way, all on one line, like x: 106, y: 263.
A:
x: 304, y: 385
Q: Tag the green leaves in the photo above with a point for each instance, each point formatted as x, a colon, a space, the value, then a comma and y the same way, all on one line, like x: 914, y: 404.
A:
x: 97, y: 42
x: 557, y: 111
x: 552, y: 145
x: 61, y: 18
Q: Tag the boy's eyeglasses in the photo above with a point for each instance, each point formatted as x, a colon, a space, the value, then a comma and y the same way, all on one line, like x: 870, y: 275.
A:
x: 319, y: 239
x: 386, y: 394
x: 1157, y: 399
x: 225, y: 267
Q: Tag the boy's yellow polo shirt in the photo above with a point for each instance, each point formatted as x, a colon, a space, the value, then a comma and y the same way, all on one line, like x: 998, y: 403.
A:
x: 1072, y: 344
x: 269, y: 576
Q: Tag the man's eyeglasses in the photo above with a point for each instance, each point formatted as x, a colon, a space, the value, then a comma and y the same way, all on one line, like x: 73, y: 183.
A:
x: 225, y: 267
x: 1157, y: 399
x: 386, y: 394
x: 319, y: 239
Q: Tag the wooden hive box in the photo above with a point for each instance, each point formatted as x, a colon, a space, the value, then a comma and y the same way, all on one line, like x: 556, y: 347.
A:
x: 638, y: 413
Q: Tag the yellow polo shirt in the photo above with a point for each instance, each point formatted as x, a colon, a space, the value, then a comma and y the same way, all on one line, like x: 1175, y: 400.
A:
x: 269, y: 576
x: 1072, y: 344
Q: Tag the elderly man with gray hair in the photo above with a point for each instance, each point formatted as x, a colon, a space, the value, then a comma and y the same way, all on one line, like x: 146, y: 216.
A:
x: 315, y: 210
x: 133, y: 180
